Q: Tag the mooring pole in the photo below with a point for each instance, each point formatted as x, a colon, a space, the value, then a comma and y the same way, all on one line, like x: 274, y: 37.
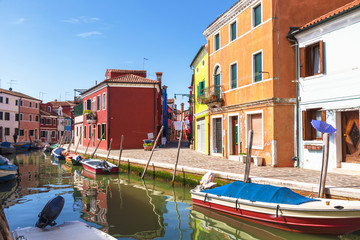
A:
x: 152, y: 151
x: 121, y: 148
x: 72, y: 138
x: 248, y: 157
x: 88, y: 144
x: 325, y: 160
x: 4, y: 226
x: 178, y: 153
x: 77, y: 145
x: 107, y: 157
x: 92, y: 155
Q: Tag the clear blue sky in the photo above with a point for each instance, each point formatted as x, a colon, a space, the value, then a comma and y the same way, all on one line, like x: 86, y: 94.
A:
x: 55, y: 46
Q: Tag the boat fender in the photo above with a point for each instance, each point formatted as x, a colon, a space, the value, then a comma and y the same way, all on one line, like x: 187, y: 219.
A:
x: 339, y: 207
x: 205, y: 198
x: 277, y: 211
x: 50, y: 212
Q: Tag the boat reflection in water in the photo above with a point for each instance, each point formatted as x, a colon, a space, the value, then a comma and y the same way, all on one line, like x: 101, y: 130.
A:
x: 123, y: 210
x: 205, y: 221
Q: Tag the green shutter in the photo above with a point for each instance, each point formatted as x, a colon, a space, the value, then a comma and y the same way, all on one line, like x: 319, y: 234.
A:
x: 233, y: 31
x: 258, y: 67
x: 257, y: 15
x: 217, y: 41
x: 234, y: 76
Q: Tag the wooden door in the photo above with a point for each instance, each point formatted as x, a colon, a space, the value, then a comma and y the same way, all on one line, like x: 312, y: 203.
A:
x: 350, y: 136
x: 234, y: 136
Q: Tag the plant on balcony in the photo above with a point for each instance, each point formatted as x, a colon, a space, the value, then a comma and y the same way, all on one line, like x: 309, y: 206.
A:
x: 90, y: 116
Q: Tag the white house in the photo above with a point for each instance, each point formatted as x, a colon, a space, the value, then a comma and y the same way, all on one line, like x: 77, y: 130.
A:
x: 328, y: 87
x: 9, y: 116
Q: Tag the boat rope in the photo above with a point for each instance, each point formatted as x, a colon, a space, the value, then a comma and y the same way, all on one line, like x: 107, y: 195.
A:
x: 205, y: 198
x: 236, y: 204
x: 277, y: 210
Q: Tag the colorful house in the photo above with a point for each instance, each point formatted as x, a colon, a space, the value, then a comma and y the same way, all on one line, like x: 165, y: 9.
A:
x: 125, y: 103
x: 200, y: 109
x: 78, y: 123
x: 9, y: 115
x: 253, y: 83
x: 48, y: 123
x: 328, y: 87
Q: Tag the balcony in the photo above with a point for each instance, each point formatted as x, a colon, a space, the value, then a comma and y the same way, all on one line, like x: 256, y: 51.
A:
x: 212, y: 96
x: 90, y: 116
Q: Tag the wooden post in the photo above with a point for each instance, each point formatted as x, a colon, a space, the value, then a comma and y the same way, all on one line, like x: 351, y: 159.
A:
x: 325, y: 160
x: 248, y: 157
x: 107, y: 157
x: 60, y: 140
x: 88, y: 144
x: 77, y: 145
x: 4, y: 226
x: 121, y: 148
x: 92, y: 155
x: 72, y: 138
x: 178, y: 153
x: 152, y: 151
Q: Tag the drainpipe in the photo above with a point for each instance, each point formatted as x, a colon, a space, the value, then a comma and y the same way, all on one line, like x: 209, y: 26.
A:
x: 154, y: 111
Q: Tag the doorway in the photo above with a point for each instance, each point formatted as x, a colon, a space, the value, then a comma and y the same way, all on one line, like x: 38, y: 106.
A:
x: 350, y: 136
x: 234, y: 135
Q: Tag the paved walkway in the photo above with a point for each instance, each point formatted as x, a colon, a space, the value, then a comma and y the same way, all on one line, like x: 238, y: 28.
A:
x: 191, y: 161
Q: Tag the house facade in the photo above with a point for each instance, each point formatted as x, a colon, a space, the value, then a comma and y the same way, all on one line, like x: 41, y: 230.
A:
x: 200, y: 109
x: 9, y: 116
x: 48, y: 124
x: 252, y: 71
x: 328, y: 87
x: 78, y: 124
x: 125, y: 103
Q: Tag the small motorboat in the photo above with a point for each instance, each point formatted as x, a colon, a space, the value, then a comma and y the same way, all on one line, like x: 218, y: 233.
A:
x: 73, y: 158
x: 46, y: 229
x: 281, y: 208
x: 8, y: 171
x: 21, y: 146
x: 47, y: 148
x: 7, y: 148
x: 98, y: 166
x: 58, y: 153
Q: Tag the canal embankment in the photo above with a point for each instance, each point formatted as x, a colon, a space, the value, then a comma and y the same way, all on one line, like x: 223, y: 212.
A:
x: 191, y: 162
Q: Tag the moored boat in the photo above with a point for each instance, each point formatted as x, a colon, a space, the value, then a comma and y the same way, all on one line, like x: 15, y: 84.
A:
x: 281, y: 208
x: 73, y: 158
x: 21, y: 146
x: 8, y: 171
x: 58, y: 153
x: 99, y: 166
x: 7, y: 148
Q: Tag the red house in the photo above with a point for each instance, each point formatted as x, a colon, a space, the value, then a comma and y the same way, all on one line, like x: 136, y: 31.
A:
x: 125, y: 103
x: 48, y: 123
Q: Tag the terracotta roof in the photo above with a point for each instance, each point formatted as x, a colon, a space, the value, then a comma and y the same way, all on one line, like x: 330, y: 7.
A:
x: 126, y: 71
x: 62, y: 103
x: 131, y: 78
x: 334, y: 13
x: 52, y: 114
x: 17, y: 94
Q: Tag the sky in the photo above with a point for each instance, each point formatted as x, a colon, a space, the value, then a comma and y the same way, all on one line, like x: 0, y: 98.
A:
x: 48, y: 48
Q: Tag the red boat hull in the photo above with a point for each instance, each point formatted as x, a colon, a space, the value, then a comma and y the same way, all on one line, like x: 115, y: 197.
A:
x: 331, y: 226
x: 99, y: 170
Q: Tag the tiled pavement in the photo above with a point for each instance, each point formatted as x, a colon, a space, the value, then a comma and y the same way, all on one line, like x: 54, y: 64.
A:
x: 191, y: 161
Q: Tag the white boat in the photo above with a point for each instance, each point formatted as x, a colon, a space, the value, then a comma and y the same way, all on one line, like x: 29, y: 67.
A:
x: 67, y: 230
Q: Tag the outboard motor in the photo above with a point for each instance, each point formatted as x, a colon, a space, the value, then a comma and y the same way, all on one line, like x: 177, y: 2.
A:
x: 50, y: 212
x: 78, y: 158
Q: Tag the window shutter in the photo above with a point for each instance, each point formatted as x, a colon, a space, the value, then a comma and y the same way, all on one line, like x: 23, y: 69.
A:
x: 306, y: 130
x: 323, y: 116
x: 321, y: 46
x: 302, y: 62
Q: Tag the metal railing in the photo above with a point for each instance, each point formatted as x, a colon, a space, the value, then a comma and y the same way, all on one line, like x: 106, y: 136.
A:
x: 211, y: 95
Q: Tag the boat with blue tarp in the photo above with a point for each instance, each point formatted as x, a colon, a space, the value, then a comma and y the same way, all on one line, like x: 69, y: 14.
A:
x: 58, y: 153
x: 8, y: 171
x: 7, y: 148
x: 281, y: 208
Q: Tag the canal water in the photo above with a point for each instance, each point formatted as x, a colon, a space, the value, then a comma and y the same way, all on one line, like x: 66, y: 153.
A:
x: 122, y: 205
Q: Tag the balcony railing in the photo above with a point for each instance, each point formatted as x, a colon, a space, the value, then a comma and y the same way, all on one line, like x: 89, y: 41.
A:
x: 212, y: 96
x: 90, y: 117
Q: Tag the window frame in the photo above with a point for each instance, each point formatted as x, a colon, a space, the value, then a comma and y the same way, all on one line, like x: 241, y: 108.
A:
x: 306, y: 70
x: 7, y: 116
x: 217, y: 41
x: 253, y: 15
x: 104, y: 101
x: 231, y: 75
x: 254, y: 66
x: 308, y: 132
x: 103, y: 130
x: 231, y: 33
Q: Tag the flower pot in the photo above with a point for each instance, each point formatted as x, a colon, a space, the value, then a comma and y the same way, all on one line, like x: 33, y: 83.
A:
x: 148, y: 148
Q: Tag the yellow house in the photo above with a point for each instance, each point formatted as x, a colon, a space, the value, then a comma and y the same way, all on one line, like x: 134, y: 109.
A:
x: 200, y: 110
x: 252, y: 78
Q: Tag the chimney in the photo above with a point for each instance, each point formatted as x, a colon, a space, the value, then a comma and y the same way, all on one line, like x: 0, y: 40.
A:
x: 158, y: 77
x: 10, y: 89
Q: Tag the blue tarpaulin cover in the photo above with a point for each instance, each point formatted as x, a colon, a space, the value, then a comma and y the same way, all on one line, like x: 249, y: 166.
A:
x: 6, y: 144
x: 259, y: 193
x: 58, y: 151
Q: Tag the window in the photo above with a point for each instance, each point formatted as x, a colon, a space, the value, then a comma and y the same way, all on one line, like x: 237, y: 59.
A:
x: 257, y: 67
x: 104, y: 101
x: 312, y: 60
x: 254, y: 122
x: 1, y: 99
x: 201, y: 88
x: 54, y: 122
x: 21, y: 116
x: 7, y: 131
x: 233, y: 76
x: 84, y: 132
x: 42, y: 134
x: 21, y: 132
x: 7, y: 116
x: 53, y: 134
x: 1, y: 115
x: 257, y: 15
x: 88, y: 104
x: 30, y: 104
x: 16, y: 102
x: 16, y: 117
x: 98, y: 131
x: 36, y: 118
x: 310, y: 133
x: 7, y: 100
x: 30, y: 117
x: 98, y: 103
x: 104, y: 131
x: 31, y: 132
x: 89, y: 131
x: 197, y: 70
x: 16, y: 131
x: 232, y: 31
x: 203, y: 63
x: 217, y: 42
x: 49, y: 109
x: 42, y: 120
x: 36, y: 105
x: 48, y: 121
x: 93, y: 103
x: 21, y: 102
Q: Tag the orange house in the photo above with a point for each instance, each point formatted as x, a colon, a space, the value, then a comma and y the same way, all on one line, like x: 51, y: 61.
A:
x: 252, y: 72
